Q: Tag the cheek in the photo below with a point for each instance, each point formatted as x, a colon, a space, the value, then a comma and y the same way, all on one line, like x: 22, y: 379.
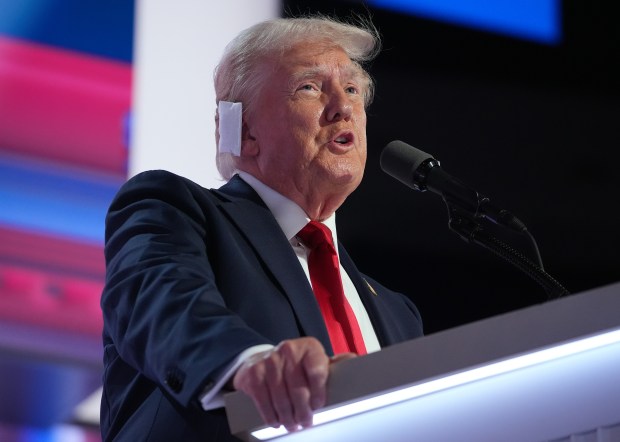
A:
x: 360, y: 118
x: 304, y: 134
x: 304, y: 119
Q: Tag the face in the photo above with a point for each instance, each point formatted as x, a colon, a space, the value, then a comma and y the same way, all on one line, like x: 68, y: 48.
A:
x: 308, y: 127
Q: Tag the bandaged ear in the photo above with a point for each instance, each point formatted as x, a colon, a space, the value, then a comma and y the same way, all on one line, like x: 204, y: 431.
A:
x: 230, y: 115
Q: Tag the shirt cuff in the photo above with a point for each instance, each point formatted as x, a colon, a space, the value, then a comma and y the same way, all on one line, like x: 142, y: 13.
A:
x: 214, y: 397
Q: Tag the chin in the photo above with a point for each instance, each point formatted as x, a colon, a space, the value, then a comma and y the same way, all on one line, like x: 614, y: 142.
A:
x: 346, y: 178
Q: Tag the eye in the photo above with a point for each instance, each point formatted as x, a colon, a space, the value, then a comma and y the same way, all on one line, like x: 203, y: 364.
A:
x: 307, y: 87
x: 352, y: 90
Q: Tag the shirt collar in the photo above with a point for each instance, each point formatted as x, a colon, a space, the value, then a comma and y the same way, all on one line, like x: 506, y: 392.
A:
x: 290, y: 217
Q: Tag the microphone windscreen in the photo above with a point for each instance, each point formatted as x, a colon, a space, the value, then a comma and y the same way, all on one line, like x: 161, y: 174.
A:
x: 400, y: 160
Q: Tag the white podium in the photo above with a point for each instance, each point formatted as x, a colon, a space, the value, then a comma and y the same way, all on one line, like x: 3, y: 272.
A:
x: 545, y: 373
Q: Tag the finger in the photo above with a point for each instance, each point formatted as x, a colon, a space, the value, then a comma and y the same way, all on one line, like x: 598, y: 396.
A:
x: 316, y: 369
x: 278, y: 392
x: 250, y: 378
x: 264, y: 404
x: 342, y: 357
x: 298, y: 392
x: 300, y: 396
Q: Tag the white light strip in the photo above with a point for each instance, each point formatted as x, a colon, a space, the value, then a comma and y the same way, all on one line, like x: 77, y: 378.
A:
x: 454, y: 380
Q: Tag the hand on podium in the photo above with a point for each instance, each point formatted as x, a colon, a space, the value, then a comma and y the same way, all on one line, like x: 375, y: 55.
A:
x: 288, y: 382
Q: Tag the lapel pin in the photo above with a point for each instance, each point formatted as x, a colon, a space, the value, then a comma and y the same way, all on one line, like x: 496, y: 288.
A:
x: 371, y: 289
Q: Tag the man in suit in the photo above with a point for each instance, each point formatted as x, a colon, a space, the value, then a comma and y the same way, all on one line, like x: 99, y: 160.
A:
x: 211, y: 290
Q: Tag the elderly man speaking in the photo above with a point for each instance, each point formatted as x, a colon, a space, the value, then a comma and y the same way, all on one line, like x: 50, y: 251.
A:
x: 246, y: 287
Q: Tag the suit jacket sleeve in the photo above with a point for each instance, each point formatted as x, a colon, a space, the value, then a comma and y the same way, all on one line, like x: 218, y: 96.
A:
x: 162, y: 309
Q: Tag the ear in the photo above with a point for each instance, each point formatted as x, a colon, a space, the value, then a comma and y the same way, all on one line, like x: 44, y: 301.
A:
x: 249, y: 144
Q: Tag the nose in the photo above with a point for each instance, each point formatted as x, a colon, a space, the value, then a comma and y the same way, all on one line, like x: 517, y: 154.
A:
x: 339, y: 107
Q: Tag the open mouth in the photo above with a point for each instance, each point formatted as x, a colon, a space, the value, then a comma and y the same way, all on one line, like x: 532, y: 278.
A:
x: 344, y: 139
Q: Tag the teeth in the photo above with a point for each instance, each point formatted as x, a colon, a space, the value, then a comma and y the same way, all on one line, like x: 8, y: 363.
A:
x: 341, y: 140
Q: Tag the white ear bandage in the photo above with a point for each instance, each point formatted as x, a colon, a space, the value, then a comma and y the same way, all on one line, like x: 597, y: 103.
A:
x: 229, y: 115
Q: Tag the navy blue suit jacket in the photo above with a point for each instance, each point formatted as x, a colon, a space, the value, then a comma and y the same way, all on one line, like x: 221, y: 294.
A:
x: 194, y: 277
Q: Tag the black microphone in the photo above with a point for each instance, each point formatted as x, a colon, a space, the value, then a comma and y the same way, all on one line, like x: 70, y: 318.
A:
x: 422, y: 172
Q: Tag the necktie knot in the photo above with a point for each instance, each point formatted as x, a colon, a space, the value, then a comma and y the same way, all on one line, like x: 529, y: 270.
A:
x: 315, y: 234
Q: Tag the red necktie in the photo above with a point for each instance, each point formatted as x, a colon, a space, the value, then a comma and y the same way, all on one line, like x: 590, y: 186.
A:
x: 344, y: 331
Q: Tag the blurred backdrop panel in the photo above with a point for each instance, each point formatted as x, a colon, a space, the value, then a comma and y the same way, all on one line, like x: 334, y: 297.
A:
x: 65, y: 89
x: 538, y: 20
x: 65, y: 96
x: 73, y: 99
x: 174, y: 106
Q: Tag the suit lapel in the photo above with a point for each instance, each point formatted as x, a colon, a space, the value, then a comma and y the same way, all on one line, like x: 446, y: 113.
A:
x: 370, y: 299
x: 248, y: 212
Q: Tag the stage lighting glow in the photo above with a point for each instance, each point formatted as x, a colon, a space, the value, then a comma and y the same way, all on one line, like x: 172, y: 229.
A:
x: 538, y: 20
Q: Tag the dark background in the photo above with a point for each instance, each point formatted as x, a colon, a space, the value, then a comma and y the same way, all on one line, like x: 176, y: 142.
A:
x: 532, y: 126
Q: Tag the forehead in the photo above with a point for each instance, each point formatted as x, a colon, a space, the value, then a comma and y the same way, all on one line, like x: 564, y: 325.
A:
x: 309, y: 59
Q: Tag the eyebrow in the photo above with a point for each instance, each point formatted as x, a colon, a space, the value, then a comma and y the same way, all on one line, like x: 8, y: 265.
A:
x: 349, y: 72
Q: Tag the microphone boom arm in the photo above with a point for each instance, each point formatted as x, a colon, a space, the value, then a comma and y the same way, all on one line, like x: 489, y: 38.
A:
x: 459, y: 194
x: 472, y: 232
